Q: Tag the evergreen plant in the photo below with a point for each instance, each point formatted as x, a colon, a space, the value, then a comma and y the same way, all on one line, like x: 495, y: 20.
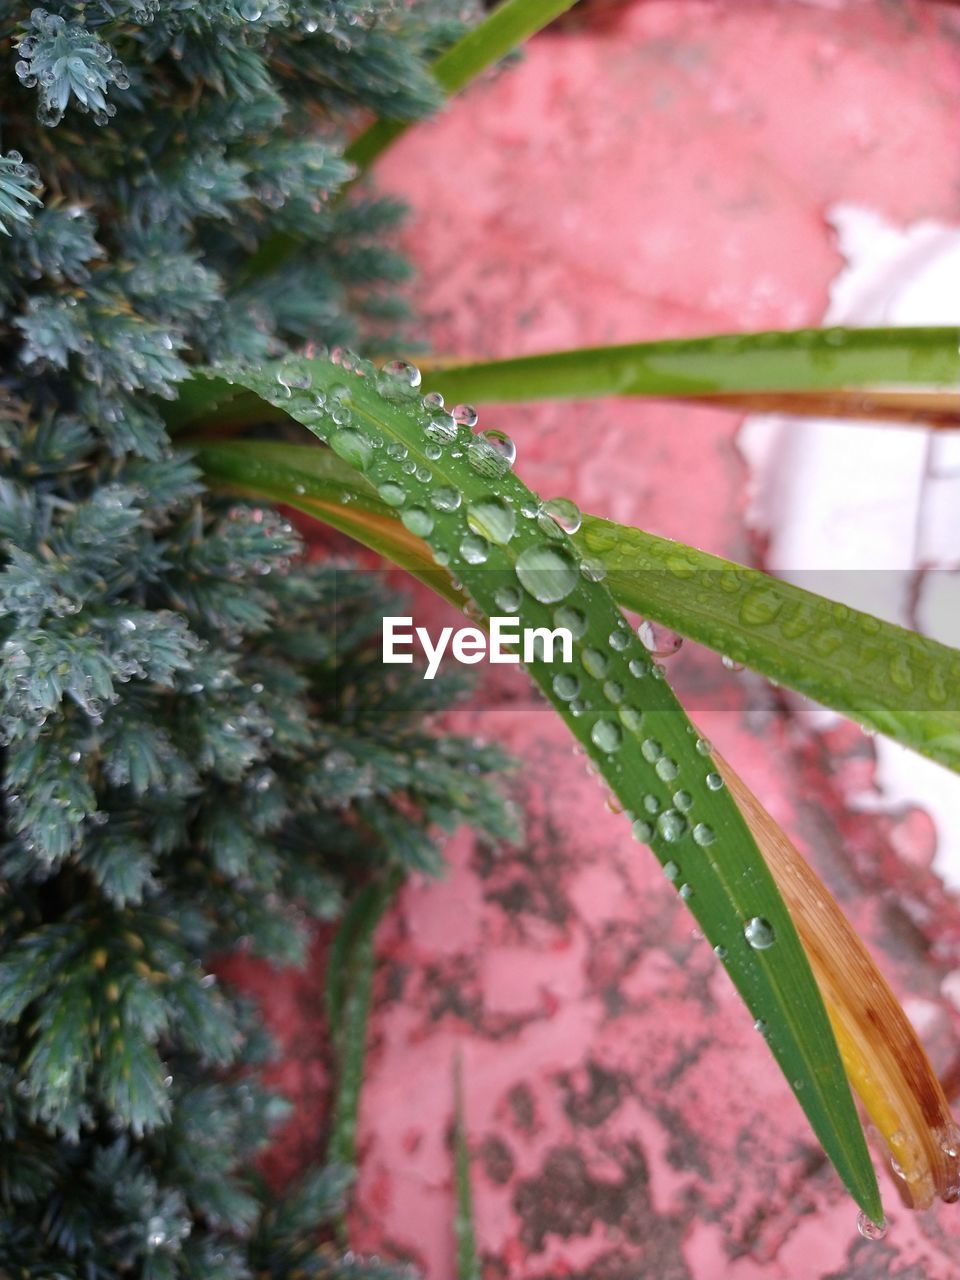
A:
x: 200, y: 750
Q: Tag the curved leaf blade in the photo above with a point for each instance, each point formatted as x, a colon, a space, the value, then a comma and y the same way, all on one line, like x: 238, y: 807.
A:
x: 627, y: 719
x: 883, y: 676
x: 795, y: 360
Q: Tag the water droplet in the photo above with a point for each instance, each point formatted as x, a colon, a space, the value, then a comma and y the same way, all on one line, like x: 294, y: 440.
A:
x: 593, y: 570
x: 703, y: 746
x: 493, y: 518
x: 566, y: 686
x: 671, y: 870
x: 418, y: 520
x: 686, y: 892
x: 397, y: 451
x: 714, y: 781
x: 671, y: 824
x: 630, y: 718
x: 466, y: 415
x: 75, y: 757
x: 666, y: 769
x: 508, y: 599
x: 638, y: 668
x: 619, y: 640
x: 594, y: 662
x: 501, y: 444
x: 352, y: 447
x: 559, y: 515
x: 398, y: 371
x: 607, y: 735
x: 642, y: 831
x: 760, y: 1027
x: 658, y: 640
x: 613, y: 692
x: 870, y: 1230
x: 394, y: 495
x: 703, y: 834
x: 571, y: 620
x: 730, y: 663
x: 433, y: 400
x: 548, y: 573
x: 474, y: 549
x: 683, y: 801
x: 487, y: 460
x: 651, y: 803
x: 250, y: 10
x: 720, y: 951
x: 759, y: 933
x: 651, y: 750
x: 445, y: 499
x: 441, y: 429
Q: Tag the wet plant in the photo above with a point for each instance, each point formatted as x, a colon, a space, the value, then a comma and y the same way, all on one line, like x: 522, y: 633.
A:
x: 198, y: 746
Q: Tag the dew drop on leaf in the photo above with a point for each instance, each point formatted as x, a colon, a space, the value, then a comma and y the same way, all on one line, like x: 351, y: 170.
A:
x: 400, y: 372
x: 433, y: 400
x: 418, y: 520
x: 352, y: 447
x: 594, y: 662
x: 686, y: 892
x: 445, y: 499
x: 659, y: 641
x: 559, y: 515
x: 643, y: 832
x: 666, y: 769
x: 466, y: 415
x: 394, y: 495
x: 571, y: 620
x: 607, y: 735
x: 759, y: 933
x: 508, y: 599
x: 868, y: 1229
x: 714, y: 781
x: 630, y: 717
x: 547, y: 573
x: 474, y: 549
x: 566, y: 686
x: 670, y: 869
x: 593, y: 570
x: 493, y: 518
x: 671, y: 824
x: 703, y: 834
x: 441, y: 429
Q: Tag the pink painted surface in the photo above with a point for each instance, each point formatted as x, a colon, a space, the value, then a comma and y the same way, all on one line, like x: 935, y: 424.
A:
x: 662, y: 173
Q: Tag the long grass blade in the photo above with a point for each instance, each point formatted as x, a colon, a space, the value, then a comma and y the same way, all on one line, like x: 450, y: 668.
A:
x: 468, y: 1261
x: 480, y: 519
x: 796, y: 360
x: 884, y: 677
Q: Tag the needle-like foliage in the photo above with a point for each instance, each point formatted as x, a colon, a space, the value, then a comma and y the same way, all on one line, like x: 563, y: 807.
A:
x: 200, y: 751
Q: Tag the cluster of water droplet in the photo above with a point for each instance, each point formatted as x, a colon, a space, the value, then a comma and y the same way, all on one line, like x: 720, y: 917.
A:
x: 65, y: 60
x: 528, y: 543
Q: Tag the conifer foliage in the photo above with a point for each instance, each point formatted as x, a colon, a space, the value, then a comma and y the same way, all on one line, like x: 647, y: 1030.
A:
x: 200, y: 750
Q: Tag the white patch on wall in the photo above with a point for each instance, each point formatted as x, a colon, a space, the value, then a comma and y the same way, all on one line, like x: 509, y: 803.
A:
x: 870, y: 514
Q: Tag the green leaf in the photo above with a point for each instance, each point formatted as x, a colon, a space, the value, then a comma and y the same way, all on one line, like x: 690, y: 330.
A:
x: 744, y: 371
x: 349, y: 983
x: 800, y: 359
x: 623, y: 713
x: 468, y: 1262
x: 883, y: 676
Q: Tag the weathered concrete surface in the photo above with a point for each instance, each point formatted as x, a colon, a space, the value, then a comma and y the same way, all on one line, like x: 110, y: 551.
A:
x: 663, y: 173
